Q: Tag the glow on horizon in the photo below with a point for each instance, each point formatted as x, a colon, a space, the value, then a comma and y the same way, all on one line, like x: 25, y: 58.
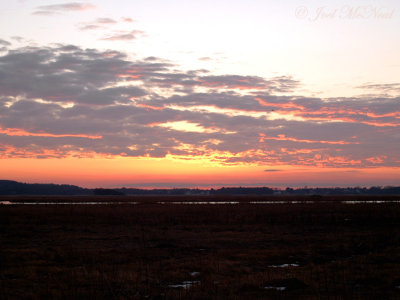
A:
x: 140, y: 172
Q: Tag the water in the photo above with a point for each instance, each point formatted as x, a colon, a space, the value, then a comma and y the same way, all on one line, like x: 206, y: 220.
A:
x: 369, y: 201
x: 284, y: 266
x: 185, y: 284
x: 277, y: 288
x: 64, y: 203
x: 281, y: 202
x: 201, y: 202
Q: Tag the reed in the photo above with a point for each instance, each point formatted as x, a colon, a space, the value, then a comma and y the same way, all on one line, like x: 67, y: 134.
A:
x: 244, y: 251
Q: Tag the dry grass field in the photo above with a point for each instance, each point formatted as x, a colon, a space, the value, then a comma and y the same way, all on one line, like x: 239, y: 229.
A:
x: 323, y: 250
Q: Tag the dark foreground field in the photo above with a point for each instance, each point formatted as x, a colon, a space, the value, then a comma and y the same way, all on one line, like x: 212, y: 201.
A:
x: 167, y: 251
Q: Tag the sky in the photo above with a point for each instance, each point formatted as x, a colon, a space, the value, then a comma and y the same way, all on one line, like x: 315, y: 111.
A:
x: 200, y: 94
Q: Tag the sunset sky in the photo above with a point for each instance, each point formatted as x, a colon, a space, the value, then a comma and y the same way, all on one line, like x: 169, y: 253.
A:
x: 173, y: 93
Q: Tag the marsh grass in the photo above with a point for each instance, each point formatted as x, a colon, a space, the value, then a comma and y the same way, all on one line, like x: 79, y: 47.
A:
x: 146, y: 251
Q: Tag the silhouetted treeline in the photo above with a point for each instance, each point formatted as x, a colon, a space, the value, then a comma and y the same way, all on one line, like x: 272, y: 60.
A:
x: 221, y: 191
x: 243, y: 191
x: 8, y: 187
x: 109, y: 192
x: 375, y: 190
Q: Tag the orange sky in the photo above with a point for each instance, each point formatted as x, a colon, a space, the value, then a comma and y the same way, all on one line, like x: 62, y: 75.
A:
x: 147, y: 173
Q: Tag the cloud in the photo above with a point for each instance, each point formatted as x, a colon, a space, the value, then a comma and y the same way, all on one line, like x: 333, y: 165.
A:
x: 65, y: 74
x: 194, y: 79
x: 73, y: 6
x: 90, y: 27
x: 283, y: 84
x: 19, y: 39
x: 205, y: 58
x: 127, y: 20
x: 99, y: 23
x: 124, y: 36
x: 233, y: 81
x: 56, y: 8
x: 110, y: 95
x: 382, y: 88
x: 21, y: 132
x: 105, y: 21
x: 152, y: 58
x: 4, y: 43
x: 45, y: 13
x: 68, y: 101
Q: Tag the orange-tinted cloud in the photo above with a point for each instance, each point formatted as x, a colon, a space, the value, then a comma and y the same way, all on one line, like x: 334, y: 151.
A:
x: 105, y: 103
x: 376, y: 159
x: 282, y: 137
x: 22, y: 132
x: 152, y: 107
x: 287, y: 105
x: 332, y: 113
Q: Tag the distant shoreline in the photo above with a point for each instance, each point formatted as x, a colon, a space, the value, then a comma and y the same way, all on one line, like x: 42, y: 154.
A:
x: 8, y: 187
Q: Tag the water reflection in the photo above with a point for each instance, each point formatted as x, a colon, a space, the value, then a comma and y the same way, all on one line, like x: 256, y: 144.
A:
x: 186, y: 284
x: 284, y: 265
x: 369, y: 201
x: 277, y: 288
x: 64, y: 203
x: 199, y: 202
x: 281, y: 202
x: 270, y: 202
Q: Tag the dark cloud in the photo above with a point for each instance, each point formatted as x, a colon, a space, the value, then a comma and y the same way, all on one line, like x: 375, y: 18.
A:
x: 65, y: 100
x: 110, y: 95
x: 233, y: 81
x: 283, y: 84
x: 63, y: 74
